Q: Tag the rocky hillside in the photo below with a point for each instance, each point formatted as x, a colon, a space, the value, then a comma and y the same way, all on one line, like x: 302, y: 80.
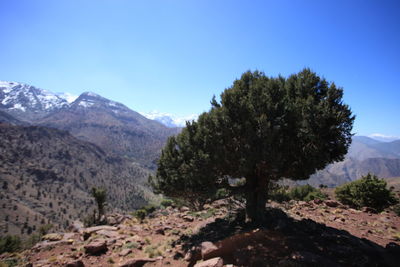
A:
x: 296, y: 234
x: 46, y: 174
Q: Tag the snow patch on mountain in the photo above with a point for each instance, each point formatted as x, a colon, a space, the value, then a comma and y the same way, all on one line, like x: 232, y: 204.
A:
x: 26, y: 97
x: 68, y: 97
x: 383, y: 137
x: 169, y: 119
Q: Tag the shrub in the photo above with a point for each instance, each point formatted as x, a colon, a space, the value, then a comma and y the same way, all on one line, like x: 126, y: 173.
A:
x: 317, y: 194
x: 278, y: 193
x: 140, y: 214
x: 306, y: 193
x: 166, y: 203
x: 396, y: 209
x: 10, y: 243
x: 149, y: 208
x: 369, y: 191
x: 221, y: 193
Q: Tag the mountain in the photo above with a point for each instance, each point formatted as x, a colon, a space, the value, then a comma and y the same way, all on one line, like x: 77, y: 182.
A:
x: 365, y: 155
x: 89, y: 117
x: 46, y: 176
x: 112, y: 126
x: 168, y: 119
x: 28, y: 103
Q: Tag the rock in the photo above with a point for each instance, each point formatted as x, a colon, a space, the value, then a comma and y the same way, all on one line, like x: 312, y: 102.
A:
x: 369, y: 210
x: 317, y: 201
x: 87, y: 232
x: 76, y: 226
x: 136, y: 262
x: 188, y: 218
x: 96, y: 247
x: 112, y: 220
x: 107, y: 233
x: 183, y: 209
x: 159, y: 231
x: 53, y: 237
x: 125, y: 252
x: 193, y: 255
x: 214, y: 262
x: 332, y: 203
x: 207, y: 206
x: 75, y: 263
x: 208, y: 250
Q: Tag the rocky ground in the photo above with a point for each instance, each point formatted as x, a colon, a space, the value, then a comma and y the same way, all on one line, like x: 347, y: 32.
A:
x: 296, y: 234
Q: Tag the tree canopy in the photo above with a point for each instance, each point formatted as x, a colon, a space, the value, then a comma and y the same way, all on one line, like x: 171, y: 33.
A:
x: 263, y: 129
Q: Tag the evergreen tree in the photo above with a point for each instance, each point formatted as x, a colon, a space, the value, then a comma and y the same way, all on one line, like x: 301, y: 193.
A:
x: 263, y: 129
x: 100, y: 195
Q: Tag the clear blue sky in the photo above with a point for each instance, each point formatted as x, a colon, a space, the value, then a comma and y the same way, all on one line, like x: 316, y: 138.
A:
x: 172, y: 56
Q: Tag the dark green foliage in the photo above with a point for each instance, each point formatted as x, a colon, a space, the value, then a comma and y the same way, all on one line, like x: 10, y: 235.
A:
x: 221, y: 193
x: 166, y: 203
x: 100, y: 195
x: 369, y: 191
x: 303, y: 193
x: 317, y: 194
x: 149, y: 208
x: 140, y: 214
x: 10, y: 243
x: 262, y: 130
x: 396, y: 209
x: 44, y: 229
x: 278, y: 192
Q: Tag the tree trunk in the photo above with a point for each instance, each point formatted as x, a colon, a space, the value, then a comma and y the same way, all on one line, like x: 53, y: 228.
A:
x: 256, y: 199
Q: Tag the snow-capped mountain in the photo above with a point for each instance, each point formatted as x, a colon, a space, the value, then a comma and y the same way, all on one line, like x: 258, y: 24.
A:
x: 168, y: 119
x: 27, y: 102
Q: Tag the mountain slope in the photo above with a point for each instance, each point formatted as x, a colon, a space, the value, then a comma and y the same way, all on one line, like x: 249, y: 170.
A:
x: 112, y: 126
x: 46, y: 176
x: 7, y: 118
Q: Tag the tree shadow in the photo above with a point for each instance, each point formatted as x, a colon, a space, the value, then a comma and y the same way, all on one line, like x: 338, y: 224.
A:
x: 284, y: 241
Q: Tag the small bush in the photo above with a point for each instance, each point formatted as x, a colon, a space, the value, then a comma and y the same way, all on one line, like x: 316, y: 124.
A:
x: 149, y: 208
x: 140, y: 214
x: 315, y: 195
x: 369, y: 191
x: 396, y: 209
x: 167, y: 203
x: 10, y: 243
x: 279, y: 193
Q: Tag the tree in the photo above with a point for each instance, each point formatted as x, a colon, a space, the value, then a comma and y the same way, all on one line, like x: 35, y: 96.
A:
x: 100, y: 195
x: 263, y: 129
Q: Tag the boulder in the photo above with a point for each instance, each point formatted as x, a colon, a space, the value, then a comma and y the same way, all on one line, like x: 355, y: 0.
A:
x: 87, y: 232
x: 332, y: 203
x: 136, y: 262
x: 96, y: 247
x: 159, y: 231
x: 75, y: 263
x: 208, y: 250
x: 183, y: 209
x: 188, y: 218
x: 53, y: 237
x: 76, y: 226
x: 214, y: 262
x: 107, y: 233
x: 125, y: 252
